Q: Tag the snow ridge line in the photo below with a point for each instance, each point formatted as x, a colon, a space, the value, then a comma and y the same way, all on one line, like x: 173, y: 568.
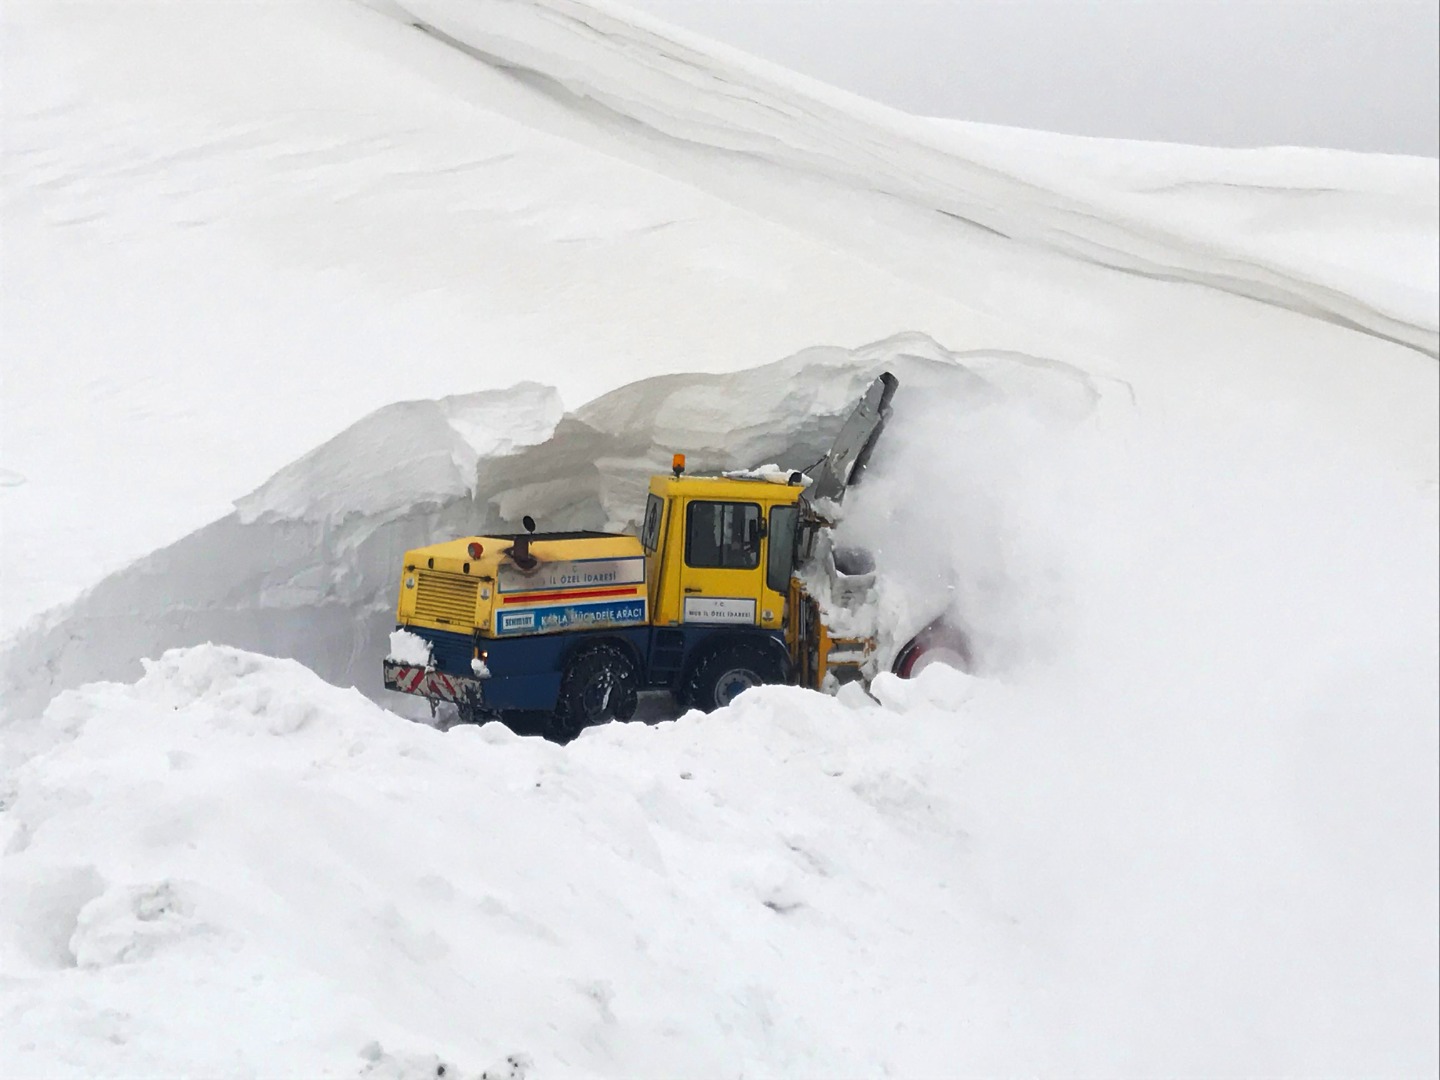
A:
x: 571, y: 52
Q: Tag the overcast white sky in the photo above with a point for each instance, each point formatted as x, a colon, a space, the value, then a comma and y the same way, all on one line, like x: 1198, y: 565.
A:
x: 1356, y: 74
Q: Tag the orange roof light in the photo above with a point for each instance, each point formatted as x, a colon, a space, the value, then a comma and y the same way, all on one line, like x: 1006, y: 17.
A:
x: 678, y: 464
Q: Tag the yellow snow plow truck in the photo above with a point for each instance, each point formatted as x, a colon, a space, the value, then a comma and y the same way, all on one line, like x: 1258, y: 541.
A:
x: 731, y: 583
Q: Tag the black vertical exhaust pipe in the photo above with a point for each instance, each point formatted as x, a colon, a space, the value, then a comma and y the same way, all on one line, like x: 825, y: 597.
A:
x: 520, y: 549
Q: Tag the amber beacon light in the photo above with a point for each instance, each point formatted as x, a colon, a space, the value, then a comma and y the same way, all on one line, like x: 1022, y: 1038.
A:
x: 678, y: 464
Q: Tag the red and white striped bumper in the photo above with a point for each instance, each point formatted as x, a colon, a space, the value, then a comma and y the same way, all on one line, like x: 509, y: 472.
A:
x: 432, y: 684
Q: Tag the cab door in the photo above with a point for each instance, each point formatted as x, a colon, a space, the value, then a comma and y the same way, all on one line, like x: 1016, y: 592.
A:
x: 722, y: 571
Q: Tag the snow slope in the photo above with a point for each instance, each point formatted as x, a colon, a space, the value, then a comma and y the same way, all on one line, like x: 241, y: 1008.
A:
x: 385, y: 216
x: 575, y: 50
x: 1166, y: 444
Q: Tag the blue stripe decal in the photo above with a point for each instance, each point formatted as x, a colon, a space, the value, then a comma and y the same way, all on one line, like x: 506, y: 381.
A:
x: 540, y: 620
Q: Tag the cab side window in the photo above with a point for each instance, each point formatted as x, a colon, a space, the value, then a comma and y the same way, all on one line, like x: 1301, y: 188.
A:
x: 722, y: 535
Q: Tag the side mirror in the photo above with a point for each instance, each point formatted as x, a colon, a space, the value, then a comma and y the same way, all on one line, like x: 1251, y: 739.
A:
x: 528, y: 522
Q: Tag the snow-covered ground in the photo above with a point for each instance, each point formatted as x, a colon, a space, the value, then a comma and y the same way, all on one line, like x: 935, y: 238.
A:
x: 290, y: 287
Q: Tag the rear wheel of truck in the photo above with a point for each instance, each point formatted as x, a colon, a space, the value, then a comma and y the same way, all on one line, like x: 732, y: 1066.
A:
x: 728, y: 672
x: 599, y: 685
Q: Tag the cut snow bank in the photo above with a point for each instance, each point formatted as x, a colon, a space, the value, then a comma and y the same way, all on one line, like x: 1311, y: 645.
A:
x: 307, y: 566
x: 406, y: 455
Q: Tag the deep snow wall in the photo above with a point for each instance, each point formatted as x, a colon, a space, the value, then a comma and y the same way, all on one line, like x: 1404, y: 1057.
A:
x: 307, y: 566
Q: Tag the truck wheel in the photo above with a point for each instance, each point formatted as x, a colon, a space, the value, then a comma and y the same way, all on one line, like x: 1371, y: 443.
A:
x: 729, y: 671
x: 599, y: 685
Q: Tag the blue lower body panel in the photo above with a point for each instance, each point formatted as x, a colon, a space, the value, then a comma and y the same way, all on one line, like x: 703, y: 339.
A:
x: 524, y: 671
x: 450, y: 652
x: 522, y: 693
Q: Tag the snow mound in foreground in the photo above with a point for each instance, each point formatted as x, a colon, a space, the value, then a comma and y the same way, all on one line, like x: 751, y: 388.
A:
x: 307, y: 566
x: 231, y: 865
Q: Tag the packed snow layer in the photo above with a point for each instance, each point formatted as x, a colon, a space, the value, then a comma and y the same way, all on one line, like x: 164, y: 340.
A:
x: 307, y: 566
x: 429, y: 450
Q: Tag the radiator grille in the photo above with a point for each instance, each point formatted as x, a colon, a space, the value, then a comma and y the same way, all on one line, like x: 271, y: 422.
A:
x: 445, y: 598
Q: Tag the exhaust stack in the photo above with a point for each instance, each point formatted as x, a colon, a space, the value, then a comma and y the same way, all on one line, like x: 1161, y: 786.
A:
x: 520, y: 549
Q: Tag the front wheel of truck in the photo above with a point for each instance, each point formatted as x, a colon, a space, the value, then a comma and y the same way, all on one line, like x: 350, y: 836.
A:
x: 600, y: 684
x: 730, y: 670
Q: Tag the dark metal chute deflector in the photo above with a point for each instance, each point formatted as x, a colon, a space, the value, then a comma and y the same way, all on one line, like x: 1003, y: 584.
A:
x: 846, y: 460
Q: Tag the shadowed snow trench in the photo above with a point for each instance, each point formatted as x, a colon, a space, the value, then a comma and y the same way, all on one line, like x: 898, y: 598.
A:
x: 307, y: 565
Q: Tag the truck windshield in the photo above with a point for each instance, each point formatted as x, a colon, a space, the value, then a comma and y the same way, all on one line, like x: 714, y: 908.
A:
x: 782, y: 548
